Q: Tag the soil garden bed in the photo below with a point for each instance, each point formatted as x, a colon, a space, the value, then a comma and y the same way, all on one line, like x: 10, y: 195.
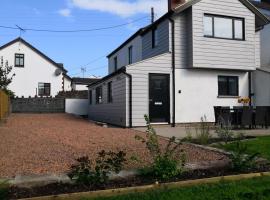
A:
x: 61, y: 188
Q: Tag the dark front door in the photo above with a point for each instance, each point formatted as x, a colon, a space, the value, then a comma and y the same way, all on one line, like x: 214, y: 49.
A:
x: 159, y: 98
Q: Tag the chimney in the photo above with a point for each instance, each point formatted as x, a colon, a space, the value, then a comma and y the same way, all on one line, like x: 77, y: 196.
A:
x: 175, y: 3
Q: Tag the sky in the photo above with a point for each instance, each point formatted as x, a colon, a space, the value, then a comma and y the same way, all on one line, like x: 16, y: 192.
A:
x: 77, y: 49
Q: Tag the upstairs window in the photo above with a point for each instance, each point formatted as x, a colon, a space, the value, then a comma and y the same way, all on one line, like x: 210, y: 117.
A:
x: 110, y: 98
x: 99, y: 95
x: 130, y: 55
x: 115, y: 63
x: 224, y: 27
x: 44, y: 89
x: 155, y: 37
x: 19, y: 60
x: 90, y: 97
x: 228, y: 86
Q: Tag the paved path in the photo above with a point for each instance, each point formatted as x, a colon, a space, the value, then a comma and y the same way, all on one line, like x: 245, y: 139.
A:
x: 181, y: 132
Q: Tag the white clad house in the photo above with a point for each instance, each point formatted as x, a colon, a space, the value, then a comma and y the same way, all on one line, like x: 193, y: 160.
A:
x: 198, y: 55
x: 35, y: 73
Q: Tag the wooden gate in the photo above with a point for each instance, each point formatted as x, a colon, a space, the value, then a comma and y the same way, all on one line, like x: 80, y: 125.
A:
x: 4, y: 105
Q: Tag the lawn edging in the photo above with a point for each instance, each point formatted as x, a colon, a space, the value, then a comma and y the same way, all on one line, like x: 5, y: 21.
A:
x: 129, y: 190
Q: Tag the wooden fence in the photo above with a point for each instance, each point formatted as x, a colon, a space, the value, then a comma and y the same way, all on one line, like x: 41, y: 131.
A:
x: 4, y: 105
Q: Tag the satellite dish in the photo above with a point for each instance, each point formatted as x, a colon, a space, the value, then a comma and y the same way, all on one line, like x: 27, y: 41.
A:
x: 58, y: 72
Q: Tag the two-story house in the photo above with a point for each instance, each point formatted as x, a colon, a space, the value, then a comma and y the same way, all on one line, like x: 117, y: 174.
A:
x: 198, y: 55
x: 35, y: 73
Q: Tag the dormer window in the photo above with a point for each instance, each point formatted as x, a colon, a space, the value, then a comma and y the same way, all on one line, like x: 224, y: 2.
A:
x: 224, y: 27
x: 155, y: 37
x: 19, y: 60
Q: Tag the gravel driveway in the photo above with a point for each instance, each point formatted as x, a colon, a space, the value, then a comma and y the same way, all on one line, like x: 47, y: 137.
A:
x: 49, y: 143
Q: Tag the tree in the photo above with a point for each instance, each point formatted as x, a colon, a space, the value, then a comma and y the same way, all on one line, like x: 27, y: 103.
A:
x: 5, y: 76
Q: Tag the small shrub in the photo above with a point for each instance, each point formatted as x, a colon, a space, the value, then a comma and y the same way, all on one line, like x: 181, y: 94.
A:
x: 188, y: 137
x: 225, y: 134
x: 240, y: 159
x: 203, y: 132
x: 169, y: 162
x: 107, y: 162
x: 3, y: 190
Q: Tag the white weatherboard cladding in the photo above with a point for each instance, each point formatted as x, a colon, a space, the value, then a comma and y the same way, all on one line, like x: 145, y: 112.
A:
x: 36, y: 69
x: 222, y: 53
x: 80, y: 87
x: 199, y: 93
x: 115, y: 112
x: 122, y: 54
x: 140, y: 84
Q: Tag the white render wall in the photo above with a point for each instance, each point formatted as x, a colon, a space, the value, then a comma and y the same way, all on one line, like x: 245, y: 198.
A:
x: 79, y: 87
x: 261, y: 83
x: 67, y: 84
x: 36, y: 69
x: 199, y: 93
x: 77, y: 106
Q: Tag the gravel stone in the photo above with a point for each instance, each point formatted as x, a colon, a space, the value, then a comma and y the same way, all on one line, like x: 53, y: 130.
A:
x: 40, y: 144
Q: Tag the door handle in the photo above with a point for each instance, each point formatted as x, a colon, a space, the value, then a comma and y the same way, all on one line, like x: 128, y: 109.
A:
x: 150, y: 100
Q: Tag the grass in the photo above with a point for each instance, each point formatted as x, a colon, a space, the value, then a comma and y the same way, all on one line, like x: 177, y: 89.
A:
x: 255, y: 189
x: 258, y: 145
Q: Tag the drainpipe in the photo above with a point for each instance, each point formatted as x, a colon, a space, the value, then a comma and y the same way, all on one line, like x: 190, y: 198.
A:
x: 250, y: 95
x: 173, y: 71
x: 130, y: 97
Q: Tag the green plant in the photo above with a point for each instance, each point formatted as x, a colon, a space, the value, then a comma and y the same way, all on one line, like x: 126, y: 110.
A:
x: 5, y: 77
x: 203, y: 132
x: 168, y: 162
x: 188, y: 137
x: 240, y: 159
x: 106, y: 163
x: 3, y: 190
x: 225, y: 133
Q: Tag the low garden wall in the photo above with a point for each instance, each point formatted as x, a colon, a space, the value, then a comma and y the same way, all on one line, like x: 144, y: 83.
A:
x: 38, y: 105
x: 77, y: 106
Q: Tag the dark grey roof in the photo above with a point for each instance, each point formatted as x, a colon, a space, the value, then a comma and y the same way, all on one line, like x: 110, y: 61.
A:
x: 84, y: 81
x: 19, y: 39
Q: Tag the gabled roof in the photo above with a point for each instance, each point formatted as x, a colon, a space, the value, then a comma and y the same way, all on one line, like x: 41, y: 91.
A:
x: 19, y: 39
x: 84, y: 81
x: 261, y: 20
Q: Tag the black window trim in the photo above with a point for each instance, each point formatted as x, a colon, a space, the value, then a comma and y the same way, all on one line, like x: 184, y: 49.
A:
x: 101, y: 94
x: 90, y: 97
x: 154, y: 42
x: 227, y: 80
x: 109, y: 92
x: 115, y: 63
x: 44, y: 95
x: 233, y: 28
x: 19, y: 54
x: 130, y: 55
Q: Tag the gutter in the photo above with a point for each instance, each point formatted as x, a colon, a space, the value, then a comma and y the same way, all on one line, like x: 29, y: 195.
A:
x: 173, y: 71
x: 130, y: 97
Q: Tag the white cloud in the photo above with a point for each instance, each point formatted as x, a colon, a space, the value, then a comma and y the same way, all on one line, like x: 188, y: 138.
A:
x: 123, y: 8
x: 65, y: 12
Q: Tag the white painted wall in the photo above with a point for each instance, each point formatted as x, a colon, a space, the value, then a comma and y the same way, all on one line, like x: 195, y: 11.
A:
x: 36, y: 69
x: 79, y: 87
x: 199, y: 93
x: 77, y: 106
x: 67, y: 84
x: 261, y: 87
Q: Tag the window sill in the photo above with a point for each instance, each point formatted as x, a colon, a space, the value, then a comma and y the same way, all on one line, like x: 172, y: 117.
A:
x: 228, y: 97
x: 221, y: 38
x: 19, y: 66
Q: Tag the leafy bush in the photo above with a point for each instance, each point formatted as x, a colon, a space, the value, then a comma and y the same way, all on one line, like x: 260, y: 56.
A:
x: 169, y: 162
x: 240, y: 159
x: 225, y: 133
x: 3, y: 190
x: 107, y: 162
x: 203, y: 132
x: 188, y: 137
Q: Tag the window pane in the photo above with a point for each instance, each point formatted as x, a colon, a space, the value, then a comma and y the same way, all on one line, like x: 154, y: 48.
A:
x: 208, y: 26
x: 222, y: 86
x: 233, y: 86
x: 223, y: 28
x: 17, y: 61
x: 238, y: 27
